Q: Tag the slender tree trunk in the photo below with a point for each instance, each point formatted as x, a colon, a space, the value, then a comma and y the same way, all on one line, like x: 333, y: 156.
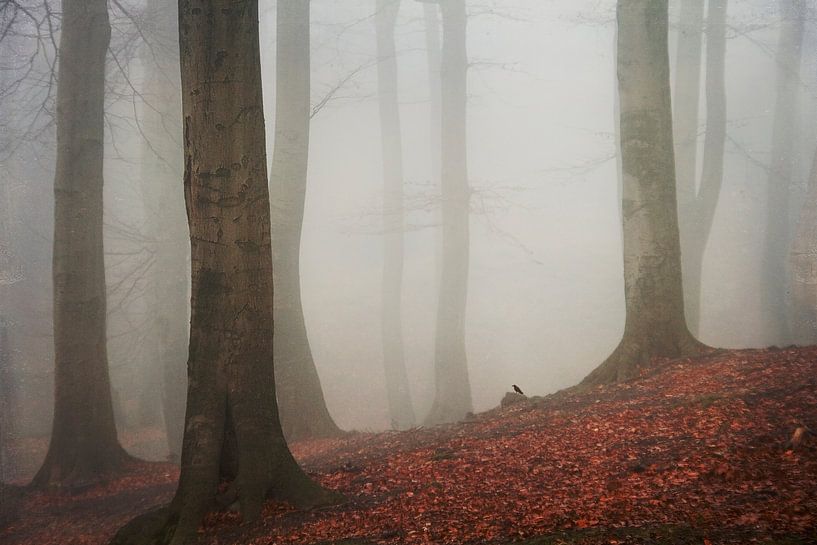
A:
x: 452, y: 399
x: 164, y: 198
x: 84, y: 444
x: 655, y: 324
x: 303, y: 407
x: 783, y: 167
x: 803, y: 266
x: 700, y: 213
x: 232, y: 419
x: 686, y: 104
x: 431, y: 18
x: 397, y: 388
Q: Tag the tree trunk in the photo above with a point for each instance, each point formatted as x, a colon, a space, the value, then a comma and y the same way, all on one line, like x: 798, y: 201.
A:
x: 655, y: 324
x: 397, y: 388
x: 431, y: 18
x: 452, y: 398
x: 84, y: 444
x: 803, y: 263
x: 686, y: 104
x: 232, y: 420
x: 700, y: 213
x: 303, y: 407
x: 164, y: 199
x: 783, y: 168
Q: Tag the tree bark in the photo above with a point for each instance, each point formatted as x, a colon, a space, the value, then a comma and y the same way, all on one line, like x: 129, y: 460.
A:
x: 686, y: 105
x: 232, y: 426
x: 803, y: 267
x: 655, y: 324
x: 300, y: 396
x: 397, y: 387
x: 84, y: 445
x: 452, y: 399
x: 783, y: 168
x: 162, y: 164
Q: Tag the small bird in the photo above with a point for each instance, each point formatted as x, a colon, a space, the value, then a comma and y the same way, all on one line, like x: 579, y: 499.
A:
x: 517, y: 389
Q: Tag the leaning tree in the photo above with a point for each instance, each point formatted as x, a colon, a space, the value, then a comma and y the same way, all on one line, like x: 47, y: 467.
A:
x: 232, y: 428
x: 655, y: 325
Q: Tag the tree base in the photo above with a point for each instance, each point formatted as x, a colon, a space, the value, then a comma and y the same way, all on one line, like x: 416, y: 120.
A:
x: 632, y: 356
x: 80, y: 469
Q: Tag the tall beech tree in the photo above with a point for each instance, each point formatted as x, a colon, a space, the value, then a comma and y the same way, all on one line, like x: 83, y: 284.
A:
x: 397, y: 388
x: 232, y: 429
x: 452, y: 398
x: 655, y: 323
x: 783, y: 161
x: 84, y: 444
x: 300, y: 397
x: 162, y: 167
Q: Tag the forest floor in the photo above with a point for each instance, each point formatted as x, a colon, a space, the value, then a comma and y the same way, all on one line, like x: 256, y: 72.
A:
x: 694, y: 452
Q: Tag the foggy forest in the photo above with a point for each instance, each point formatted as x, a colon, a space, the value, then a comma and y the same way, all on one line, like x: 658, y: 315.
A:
x: 358, y: 272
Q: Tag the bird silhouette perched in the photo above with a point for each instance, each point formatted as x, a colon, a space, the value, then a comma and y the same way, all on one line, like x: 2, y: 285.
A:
x: 517, y: 389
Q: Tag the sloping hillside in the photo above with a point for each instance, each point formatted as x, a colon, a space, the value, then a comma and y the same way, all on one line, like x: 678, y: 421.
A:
x: 694, y: 453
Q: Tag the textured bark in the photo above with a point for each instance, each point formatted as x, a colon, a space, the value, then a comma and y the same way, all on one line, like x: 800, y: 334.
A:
x: 698, y: 213
x: 303, y: 407
x: 784, y: 158
x: 655, y: 324
x: 84, y: 444
x: 803, y: 266
x: 686, y: 104
x: 397, y: 387
x: 230, y: 409
x: 162, y: 168
x: 452, y: 398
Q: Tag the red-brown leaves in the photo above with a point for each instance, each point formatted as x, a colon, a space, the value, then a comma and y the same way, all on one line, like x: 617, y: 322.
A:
x: 700, y: 444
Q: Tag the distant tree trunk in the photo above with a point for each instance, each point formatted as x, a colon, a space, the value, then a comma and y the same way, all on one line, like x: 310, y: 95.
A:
x: 431, y: 18
x: 686, y: 104
x: 699, y: 213
x: 231, y: 425
x: 452, y: 399
x: 397, y: 388
x: 803, y: 263
x: 162, y: 166
x: 783, y: 167
x: 655, y: 324
x: 303, y: 407
x: 84, y: 444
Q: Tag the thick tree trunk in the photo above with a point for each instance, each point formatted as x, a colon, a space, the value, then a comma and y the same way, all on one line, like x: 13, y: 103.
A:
x: 232, y: 417
x: 164, y: 199
x: 84, y: 444
x: 783, y: 168
x: 700, y: 213
x: 397, y: 388
x: 686, y: 104
x: 803, y: 266
x: 300, y: 397
x: 452, y: 399
x: 655, y: 324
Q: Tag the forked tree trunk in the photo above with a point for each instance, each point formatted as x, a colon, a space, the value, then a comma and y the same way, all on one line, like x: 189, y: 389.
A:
x: 452, y: 397
x: 783, y: 167
x: 655, y: 324
x: 232, y: 421
x: 164, y: 198
x: 397, y: 388
x: 84, y: 444
x: 700, y: 212
x: 803, y: 266
x: 300, y: 397
x: 686, y: 104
